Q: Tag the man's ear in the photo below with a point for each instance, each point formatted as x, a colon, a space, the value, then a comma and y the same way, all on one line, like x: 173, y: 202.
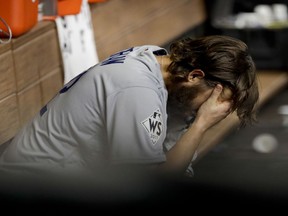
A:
x: 196, y: 73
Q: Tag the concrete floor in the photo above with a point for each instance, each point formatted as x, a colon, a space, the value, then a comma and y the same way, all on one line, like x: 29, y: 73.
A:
x: 236, y: 164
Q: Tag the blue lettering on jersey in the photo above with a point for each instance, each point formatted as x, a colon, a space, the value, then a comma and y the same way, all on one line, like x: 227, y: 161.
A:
x: 71, y: 82
x: 43, y: 110
x: 65, y: 88
x: 117, y: 57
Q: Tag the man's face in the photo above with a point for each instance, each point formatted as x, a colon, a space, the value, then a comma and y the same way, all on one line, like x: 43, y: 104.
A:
x: 185, y: 100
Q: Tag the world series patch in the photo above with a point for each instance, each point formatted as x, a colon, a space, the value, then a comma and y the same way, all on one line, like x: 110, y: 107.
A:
x: 154, y: 126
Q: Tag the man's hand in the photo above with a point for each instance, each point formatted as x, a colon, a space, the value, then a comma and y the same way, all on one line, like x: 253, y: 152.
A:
x: 225, y: 95
x: 215, y: 108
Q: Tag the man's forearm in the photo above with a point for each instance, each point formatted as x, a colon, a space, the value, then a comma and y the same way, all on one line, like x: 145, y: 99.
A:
x: 180, y: 155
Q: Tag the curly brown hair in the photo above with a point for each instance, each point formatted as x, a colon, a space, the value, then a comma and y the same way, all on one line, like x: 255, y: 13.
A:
x: 224, y: 60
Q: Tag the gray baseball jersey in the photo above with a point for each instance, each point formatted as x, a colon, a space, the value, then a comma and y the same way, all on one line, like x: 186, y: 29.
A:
x: 115, y: 112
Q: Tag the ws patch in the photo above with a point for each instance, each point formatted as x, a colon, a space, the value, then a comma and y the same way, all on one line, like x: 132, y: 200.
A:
x: 154, y: 126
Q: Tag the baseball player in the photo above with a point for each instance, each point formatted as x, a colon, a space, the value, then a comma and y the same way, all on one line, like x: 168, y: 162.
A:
x: 141, y: 106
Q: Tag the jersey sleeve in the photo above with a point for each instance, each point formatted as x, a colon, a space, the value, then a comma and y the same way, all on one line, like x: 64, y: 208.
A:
x: 136, y: 126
